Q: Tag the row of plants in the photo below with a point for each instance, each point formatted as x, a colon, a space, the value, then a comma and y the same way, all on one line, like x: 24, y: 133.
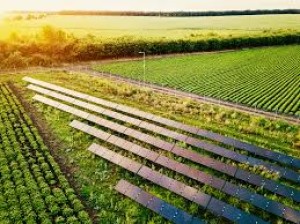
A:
x: 266, y: 78
x: 33, y: 188
x: 53, y: 46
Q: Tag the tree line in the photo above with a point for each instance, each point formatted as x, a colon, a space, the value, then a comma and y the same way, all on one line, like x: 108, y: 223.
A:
x: 180, y: 13
x: 54, y: 46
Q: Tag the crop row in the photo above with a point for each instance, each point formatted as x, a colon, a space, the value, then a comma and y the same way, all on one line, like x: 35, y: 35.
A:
x: 263, y: 78
x: 32, y: 187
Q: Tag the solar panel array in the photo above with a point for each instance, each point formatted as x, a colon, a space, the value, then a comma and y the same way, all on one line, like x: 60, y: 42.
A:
x: 208, y: 202
x: 246, y: 176
x: 284, y: 171
x: 275, y: 156
x: 157, y: 205
x: 202, y: 177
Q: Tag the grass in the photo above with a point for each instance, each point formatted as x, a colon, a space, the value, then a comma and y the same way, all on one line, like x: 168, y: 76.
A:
x: 96, y: 177
x: 155, y: 27
x: 266, y: 78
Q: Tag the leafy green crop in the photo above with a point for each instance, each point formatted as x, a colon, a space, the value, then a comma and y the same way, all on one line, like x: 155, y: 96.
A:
x: 265, y: 78
x: 32, y: 187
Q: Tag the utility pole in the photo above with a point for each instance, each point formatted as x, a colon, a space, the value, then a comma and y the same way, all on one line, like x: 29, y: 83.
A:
x: 144, y: 57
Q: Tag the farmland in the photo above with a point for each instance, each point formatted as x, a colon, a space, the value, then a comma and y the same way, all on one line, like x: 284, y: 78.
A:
x: 263, y: 78
x: 96, y: 177
x: 53, y: 40
x: 104, y: 27
x: 33, y: 188
x: 80, y: 146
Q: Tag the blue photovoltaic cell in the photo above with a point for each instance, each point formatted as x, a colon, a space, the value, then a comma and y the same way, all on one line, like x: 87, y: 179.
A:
x: 200, y: 198
x: 155, y: 204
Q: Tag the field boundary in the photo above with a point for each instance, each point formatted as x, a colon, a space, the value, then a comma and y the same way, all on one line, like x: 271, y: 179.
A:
x: 86, y: 68
x: 175, y: 92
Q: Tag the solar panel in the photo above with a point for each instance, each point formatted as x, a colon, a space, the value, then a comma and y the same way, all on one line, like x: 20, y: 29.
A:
x: 152, y: 156
x: 169, y: 183
x: 133, y: 192
x: 292, y: 215
x: 217, y: 183
x: 149, y: 139
x: 118, y: 159
x: 172, y: 164
x: 183, y: 217
x: 128, y: 145
x: 189, y: 193
x: 255, y: 179
x: 289, y: 174
x: 228, y: 212
x: 165, y: 181
x: 144, y: 199
x: 230, y: 188
x: 177, y: 187
x: 245, y: 194
x: 145, y: 172
x: 182, y: 168
x: 155, y: 204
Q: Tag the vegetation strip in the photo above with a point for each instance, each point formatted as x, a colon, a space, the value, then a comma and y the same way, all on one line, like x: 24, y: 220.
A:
x: 53, y: 46
x: 207, y: 179
x: 206, y: 201
x: 155, y: 204
x: 266, y: 78
x: 240, y: 174
x: 276, y: 156
x: 33, y: 188
x: 284, y: 172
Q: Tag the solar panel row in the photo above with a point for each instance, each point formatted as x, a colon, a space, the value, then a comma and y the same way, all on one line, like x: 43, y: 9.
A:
x: 275, y: 156
x: 240, y: 174
x: 155, y: 204
x: 285, y: 172
x: 261, y: 202
x: 204, y: 178
x: 206, y: 201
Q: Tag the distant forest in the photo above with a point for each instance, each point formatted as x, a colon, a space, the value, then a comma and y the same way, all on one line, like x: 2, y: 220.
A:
x: 180, y: 13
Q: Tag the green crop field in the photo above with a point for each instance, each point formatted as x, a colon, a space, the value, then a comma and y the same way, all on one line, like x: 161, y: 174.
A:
x: 234, y: 163
x: 266, y: 78
x: 95, y: 177
x: 32, y: 187
x: 155, y: 27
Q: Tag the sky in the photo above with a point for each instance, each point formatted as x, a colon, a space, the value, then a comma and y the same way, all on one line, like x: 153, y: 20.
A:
x: 147, y: 5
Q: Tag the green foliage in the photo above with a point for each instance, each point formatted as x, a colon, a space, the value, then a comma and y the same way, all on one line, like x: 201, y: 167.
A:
x: 53, y: 46
x: 261, y: 78
x: 96, y: 177
x: 27, y: 178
